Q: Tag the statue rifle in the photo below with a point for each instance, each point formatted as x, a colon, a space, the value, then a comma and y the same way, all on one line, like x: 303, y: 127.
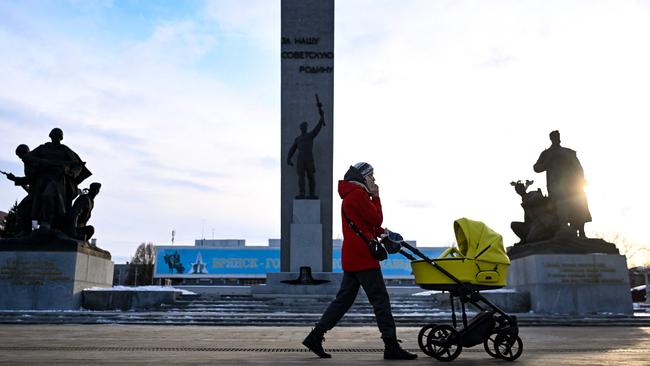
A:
x: 22, y: 185
x: 320, y: 109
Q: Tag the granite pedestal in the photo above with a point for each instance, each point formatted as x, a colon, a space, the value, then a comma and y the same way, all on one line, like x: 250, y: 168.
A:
x: 576, y: 284
x: 51, y: 278
x: 306, y: 236
x: 274, y: 286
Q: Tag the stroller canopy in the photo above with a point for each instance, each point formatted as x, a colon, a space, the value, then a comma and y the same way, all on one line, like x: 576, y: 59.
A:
x: 477, y: 241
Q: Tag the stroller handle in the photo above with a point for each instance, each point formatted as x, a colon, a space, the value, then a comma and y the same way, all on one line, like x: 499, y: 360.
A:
x: 407, y: 255
x: 414, y: 251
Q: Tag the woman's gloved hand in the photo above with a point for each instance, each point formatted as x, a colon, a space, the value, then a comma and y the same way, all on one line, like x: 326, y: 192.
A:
x: 392, y: 241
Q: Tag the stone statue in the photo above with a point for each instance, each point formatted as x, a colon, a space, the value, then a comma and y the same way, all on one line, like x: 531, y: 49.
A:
x: 55, y: 185
x: 47, y: 218
x: 305, y: 164
x: 565, y: 181
x: 80, y: 214
x: 540, y: 222
x: 24, y: 208
x: 52, y: 175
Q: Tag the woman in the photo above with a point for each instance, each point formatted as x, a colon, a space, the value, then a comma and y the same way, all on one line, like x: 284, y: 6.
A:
x: 361, y: 206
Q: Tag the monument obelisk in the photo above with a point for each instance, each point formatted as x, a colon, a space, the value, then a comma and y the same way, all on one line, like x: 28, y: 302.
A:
x: 307, y: 69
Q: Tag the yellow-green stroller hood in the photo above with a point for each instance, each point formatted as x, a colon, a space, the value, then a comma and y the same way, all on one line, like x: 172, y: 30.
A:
x: 477, y: 241
x: 480, y: 260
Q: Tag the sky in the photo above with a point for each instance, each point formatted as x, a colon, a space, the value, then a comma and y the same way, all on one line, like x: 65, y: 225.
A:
x: 175, y: 107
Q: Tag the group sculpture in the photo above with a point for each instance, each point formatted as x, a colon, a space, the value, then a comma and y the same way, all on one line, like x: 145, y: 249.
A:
x: 52, y: 175
x: 564, y: 212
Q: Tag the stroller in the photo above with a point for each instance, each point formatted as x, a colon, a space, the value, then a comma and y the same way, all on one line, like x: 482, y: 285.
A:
x: 479, y: 263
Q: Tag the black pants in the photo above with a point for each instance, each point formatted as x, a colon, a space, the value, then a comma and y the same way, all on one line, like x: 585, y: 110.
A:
x: 373, y: 284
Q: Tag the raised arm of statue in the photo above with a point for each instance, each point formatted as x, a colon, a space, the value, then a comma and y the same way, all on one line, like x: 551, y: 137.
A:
x: 292, y: 151
x: 313, y: 133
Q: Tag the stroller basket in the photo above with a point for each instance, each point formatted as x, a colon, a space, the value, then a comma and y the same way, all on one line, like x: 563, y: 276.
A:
x: 477, y: 274
x: 479, y: 261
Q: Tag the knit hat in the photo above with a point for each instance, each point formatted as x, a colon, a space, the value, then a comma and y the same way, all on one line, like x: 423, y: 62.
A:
x: 364, y: 168
x: 354, y: 173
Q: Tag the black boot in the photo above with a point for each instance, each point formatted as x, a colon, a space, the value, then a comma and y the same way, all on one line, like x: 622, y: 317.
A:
x: 314, y: 341
x: 393, y: 351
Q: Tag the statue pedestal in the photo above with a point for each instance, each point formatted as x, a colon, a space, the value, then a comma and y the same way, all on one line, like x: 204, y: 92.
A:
x: 52, y: 277
x: 306, y: 251
x: 577, y: 284
x: 306, y: 236
x: 562, y: 245
x: 275, y: 287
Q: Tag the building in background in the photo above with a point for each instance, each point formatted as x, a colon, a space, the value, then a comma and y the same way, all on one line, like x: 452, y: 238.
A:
x: 120, y: 274
x: 232, y: 262
x: 220, y: 243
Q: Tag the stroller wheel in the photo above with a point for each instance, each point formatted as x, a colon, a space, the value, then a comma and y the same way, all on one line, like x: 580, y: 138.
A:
x: 508, y: 346
x: 443, y: 343
x: 422, y: 339
x: 490, y: 343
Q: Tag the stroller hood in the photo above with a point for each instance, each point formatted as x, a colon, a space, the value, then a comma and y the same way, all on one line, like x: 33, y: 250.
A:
x: 477, y: 241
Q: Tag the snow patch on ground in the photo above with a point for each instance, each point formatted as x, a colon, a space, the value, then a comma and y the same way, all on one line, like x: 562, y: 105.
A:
x: 500, y: 290
x: 426, y: 293
x: 141, y: 288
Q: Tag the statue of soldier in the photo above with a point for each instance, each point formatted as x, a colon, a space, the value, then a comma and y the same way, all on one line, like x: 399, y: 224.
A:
x: 305, y: 164
x: 565, y: 182
x: 79, y: 215
x: 60, y: 171
x: 539, y: 222
x: 24, y: 208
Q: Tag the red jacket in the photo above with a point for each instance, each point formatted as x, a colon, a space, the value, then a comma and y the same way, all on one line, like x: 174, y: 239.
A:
x: 365, y: 213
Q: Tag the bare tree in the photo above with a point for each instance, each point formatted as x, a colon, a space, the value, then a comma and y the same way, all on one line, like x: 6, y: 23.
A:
x: 636, y: 253
x: 142, y: 265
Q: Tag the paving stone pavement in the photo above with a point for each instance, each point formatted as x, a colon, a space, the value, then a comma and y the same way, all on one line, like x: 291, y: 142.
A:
x: 208, y: 345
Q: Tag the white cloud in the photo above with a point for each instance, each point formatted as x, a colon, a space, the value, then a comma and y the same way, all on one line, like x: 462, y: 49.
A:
x: 258, y: 20
x: 171, y: 145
